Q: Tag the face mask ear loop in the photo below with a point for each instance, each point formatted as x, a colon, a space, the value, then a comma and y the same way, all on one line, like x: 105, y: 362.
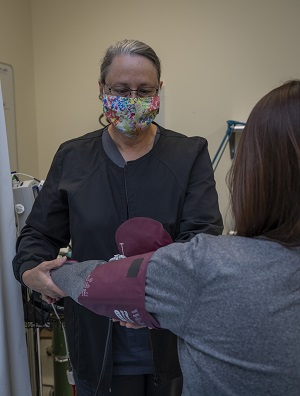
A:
x: 102, y: 115
x: 101, y: 95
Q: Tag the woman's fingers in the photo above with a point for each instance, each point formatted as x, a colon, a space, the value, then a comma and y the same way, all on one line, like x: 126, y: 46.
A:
x: 50, y: 265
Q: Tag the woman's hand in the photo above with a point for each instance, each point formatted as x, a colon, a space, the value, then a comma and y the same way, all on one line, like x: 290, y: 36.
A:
x: 128, y: 325
x: 39, y: 279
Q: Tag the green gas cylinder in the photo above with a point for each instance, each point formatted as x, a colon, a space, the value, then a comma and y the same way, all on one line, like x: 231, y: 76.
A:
x: 60, y: 362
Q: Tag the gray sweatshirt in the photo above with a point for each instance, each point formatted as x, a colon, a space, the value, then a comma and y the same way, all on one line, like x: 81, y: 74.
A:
x: 233, y: 302
x: 235, y: 305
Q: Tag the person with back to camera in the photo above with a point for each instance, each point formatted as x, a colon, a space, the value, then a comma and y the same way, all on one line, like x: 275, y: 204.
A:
x: 233, y: 301
x: 133, y: 167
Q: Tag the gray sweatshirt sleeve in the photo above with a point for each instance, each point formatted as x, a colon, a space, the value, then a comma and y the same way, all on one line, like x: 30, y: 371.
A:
x: 72, y: 275
x: 171, y: 288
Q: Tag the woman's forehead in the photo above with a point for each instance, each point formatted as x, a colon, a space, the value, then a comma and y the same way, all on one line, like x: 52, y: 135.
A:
x: 128, y: 68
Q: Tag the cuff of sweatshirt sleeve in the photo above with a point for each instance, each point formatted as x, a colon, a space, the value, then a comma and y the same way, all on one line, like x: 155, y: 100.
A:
x: 28, y: 264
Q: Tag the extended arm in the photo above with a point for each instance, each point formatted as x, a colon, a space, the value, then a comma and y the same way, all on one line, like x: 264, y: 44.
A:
x: 115, y: 289
x: 155, y: 289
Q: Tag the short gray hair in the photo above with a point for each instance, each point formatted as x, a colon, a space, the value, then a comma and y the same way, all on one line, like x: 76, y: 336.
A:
x: 128, y: 47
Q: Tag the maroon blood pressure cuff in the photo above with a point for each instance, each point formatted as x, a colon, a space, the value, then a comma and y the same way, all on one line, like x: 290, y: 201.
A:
x: 117, y: 290
x: 139, y: 235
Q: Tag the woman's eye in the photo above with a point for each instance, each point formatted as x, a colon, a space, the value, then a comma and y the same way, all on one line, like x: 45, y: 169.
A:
x: 121, y: 91
x: 144, y: 91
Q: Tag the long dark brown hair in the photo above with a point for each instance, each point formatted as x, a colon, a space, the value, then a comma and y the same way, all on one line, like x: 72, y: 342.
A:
x: 264, y: 180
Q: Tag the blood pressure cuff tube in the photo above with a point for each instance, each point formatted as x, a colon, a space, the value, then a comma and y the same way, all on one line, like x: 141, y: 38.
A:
x: 117, y: 290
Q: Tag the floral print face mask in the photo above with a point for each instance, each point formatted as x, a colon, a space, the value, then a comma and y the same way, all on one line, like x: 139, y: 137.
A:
x: 130, y: 115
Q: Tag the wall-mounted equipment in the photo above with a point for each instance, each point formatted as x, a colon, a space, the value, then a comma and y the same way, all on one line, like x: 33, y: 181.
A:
x: 232, y: 129
x: 24, y: 193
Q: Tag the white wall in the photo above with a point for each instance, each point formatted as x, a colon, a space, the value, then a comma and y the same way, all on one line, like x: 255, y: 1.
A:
x: 16, y: 50
x: 219, y: 57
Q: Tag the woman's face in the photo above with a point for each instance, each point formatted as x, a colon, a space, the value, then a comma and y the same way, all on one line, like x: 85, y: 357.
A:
x: 131, y: 71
